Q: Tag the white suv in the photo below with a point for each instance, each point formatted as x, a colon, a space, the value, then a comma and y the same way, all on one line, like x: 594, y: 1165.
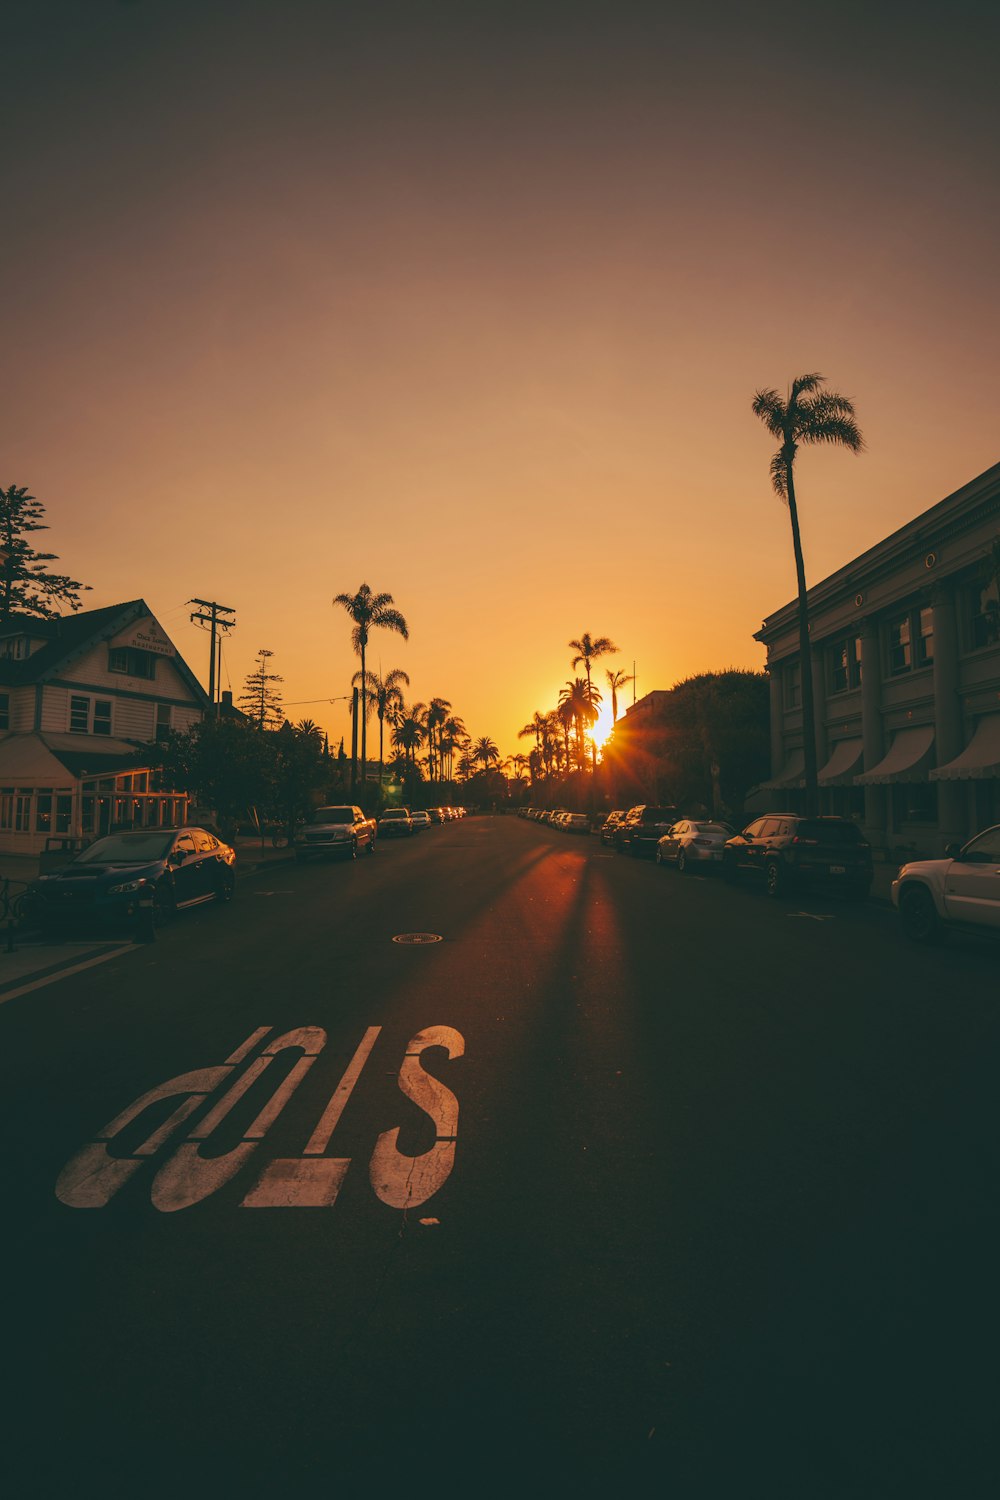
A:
x: 961, y: 890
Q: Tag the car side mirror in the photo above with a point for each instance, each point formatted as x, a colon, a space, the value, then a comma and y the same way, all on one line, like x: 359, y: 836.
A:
x: 178, y: 857
x: 953, y: 851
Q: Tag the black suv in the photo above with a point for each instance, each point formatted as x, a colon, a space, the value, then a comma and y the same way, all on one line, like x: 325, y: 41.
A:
x: 641, y: 829
x: 788, y: 851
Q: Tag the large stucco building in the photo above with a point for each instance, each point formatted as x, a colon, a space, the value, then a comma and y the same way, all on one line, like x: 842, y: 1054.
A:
x: 906, y: 677
x: 83, y: 701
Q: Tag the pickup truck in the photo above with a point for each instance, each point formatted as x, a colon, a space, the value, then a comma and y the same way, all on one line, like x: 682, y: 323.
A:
x: 335, y: 830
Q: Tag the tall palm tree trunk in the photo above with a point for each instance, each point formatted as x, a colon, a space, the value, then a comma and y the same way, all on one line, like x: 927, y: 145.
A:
x: 805, y: 661
x: 364, y: 720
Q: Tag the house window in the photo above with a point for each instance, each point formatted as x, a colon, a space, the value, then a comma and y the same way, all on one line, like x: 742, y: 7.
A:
x: 132, y: 662
x: 900, y: 645
x: 845, y: 664
x: 982, y: 613
x: 163, y: 712
x: 910, y: 640
x: 792, y: 679
x: 15, y: 810
x: 925, y: 638
x: 89, y: 715
x: 4, y: 710
x: 916, y: 803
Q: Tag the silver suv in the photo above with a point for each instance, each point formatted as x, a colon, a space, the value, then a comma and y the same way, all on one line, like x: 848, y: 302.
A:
x: 961, y: 890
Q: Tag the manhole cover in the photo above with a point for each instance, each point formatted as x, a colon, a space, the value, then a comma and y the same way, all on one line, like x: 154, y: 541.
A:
x: 416, y: 937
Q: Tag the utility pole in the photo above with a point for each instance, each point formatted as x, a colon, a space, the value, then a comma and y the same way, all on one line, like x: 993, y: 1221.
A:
x: 217, y: 625
x: 633, y: 684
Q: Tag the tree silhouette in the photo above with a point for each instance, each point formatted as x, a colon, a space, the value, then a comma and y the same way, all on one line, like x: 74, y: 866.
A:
x: 808, y: 415
x: 26, y: 585
x: 369, y: 612
x: 261, y: 697
x: 588, y: 650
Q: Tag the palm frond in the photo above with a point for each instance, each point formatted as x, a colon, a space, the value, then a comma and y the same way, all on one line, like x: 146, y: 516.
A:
x: 802, y: 385
x: 779, y: 475
x: 390, y: 619
x: 768, y: 405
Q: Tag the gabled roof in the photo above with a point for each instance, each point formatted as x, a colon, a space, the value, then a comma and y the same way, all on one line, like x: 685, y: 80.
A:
x: 70, y: 636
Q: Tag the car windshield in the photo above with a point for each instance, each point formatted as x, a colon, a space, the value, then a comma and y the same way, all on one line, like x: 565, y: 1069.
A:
x: 395, y: 813
x: 126, y: 849
x: 333, y: 815
x: 829, y: 833
x: 721, y: 828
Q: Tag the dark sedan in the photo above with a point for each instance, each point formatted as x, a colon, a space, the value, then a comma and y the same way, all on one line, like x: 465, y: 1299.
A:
x: 641, y: 829
x: 106, y: 884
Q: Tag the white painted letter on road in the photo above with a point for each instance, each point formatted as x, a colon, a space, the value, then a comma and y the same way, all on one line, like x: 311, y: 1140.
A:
x: 406, y: 1181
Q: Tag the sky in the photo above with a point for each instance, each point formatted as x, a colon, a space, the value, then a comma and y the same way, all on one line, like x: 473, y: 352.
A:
x: 469, y: 301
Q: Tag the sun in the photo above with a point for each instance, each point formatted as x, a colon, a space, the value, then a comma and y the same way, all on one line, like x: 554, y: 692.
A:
x: 602, y: 729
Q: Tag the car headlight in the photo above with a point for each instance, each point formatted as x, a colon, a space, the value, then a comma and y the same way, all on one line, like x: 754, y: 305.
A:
x: 126, y: 888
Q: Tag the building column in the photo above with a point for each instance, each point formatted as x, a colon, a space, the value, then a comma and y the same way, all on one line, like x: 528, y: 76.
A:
x: 871, y: 729
x: 949, y: 739
x: 818, y: 656
x: 777, y: 711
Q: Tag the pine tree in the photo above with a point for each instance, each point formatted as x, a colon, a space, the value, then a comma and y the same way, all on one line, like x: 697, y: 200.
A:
x: 260, y: 699
x: 26, y: 585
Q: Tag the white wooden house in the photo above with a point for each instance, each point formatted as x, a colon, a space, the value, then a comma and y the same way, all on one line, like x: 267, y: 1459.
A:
x: 84, y: 699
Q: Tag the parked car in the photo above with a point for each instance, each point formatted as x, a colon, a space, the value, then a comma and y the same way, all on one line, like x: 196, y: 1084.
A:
x: 641, y: 829
x: 576, y: 823
x: 420, y: 820
x: 341, y: 830
x: 105, y: 883
x: 790, y: 852
x: 396, y: 823
x: 961, y: 891
x: 694, y: 845
x: 436, y: 815
x: 609, y: 825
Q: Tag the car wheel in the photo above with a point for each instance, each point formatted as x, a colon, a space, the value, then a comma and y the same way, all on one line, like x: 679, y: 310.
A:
x: 164, y: 905
x: 919, y: 915
x: 659, y: 855
x: 683, y: 865
x: 774, y: 879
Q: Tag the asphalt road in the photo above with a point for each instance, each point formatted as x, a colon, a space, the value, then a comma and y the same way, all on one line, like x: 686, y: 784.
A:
x: 707, y: 1199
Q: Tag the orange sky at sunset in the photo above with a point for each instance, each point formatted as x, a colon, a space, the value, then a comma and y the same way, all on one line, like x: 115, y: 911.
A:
x: 469, y: 302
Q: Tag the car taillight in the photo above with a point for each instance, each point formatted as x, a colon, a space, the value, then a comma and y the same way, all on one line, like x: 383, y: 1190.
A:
x: 703, y: 842
x: 811, y: 842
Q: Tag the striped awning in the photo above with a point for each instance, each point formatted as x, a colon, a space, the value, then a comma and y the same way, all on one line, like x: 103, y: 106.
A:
x: 909, y: 758
x: 843, y: 765
x: 979, y: 759
x: 792, y: 773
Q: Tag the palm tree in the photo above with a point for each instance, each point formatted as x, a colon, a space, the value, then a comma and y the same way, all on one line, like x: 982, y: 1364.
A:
x: 538, y: 726
x: 408, y: 730
x: 386, y: 700
x: 588, y: 650
x: 451, y: 734
x: 809, y: 415
x: 309, y: 730
x: 437, y: 713
x: 369, y: 611
x: 616, y: 680
x: 581, y: 700
x: 485, y: 752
